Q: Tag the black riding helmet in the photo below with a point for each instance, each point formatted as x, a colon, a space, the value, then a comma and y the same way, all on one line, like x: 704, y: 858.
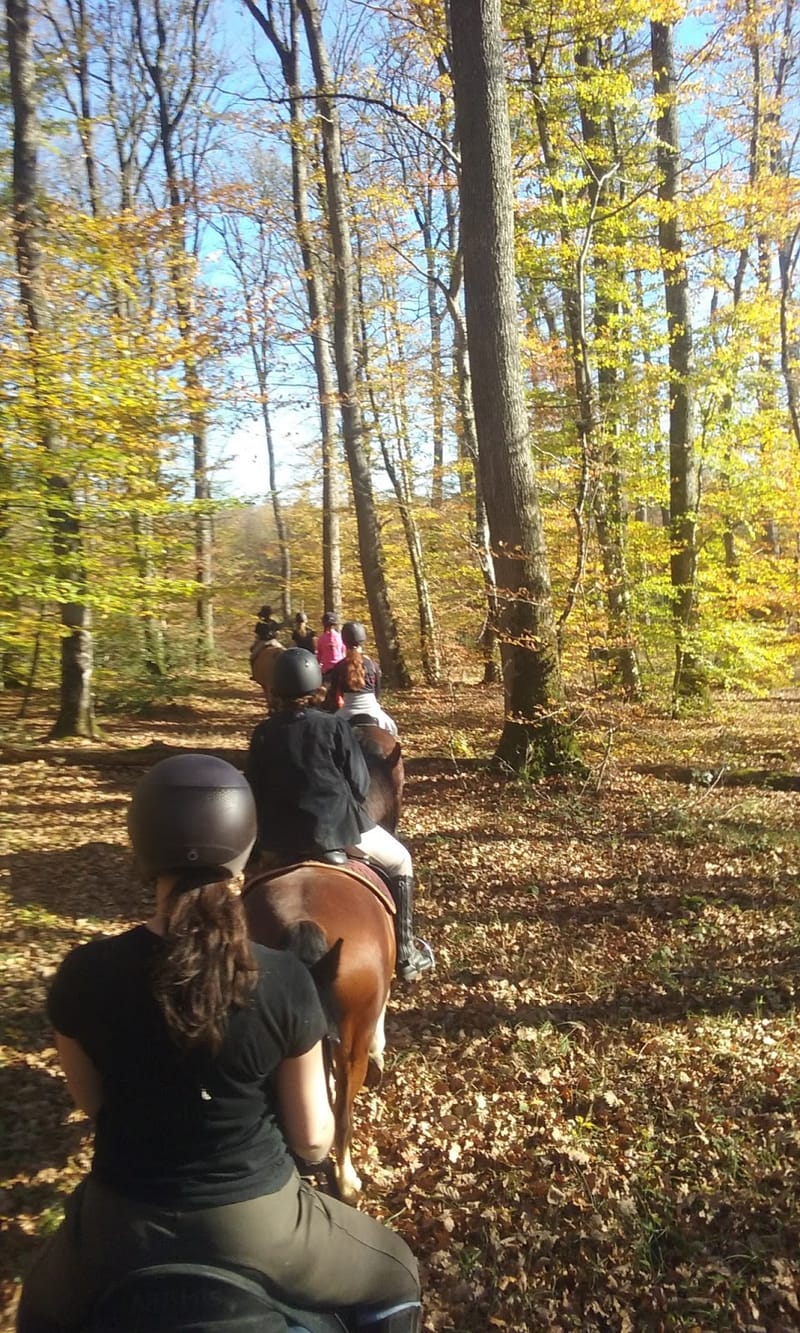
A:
x: 329, y: 619
x: 296, y: 672
x: 353, y: 633
x: 192, y: 811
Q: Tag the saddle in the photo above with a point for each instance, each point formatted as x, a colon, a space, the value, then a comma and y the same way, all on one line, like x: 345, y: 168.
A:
x: 349, y: 864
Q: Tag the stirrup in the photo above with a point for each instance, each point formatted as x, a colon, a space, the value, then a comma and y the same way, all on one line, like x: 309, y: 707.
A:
x: 420, y: 960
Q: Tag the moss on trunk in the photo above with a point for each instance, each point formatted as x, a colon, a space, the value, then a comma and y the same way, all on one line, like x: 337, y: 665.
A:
x: 540, y: 748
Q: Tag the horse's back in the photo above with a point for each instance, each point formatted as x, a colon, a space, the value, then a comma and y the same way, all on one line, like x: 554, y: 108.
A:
x: 335, y: 900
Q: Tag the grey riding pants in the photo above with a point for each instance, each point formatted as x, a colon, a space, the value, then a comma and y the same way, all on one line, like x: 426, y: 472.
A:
x: 313, y: 1250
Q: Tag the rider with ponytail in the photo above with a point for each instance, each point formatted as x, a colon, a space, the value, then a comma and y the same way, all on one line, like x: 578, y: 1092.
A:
x: 356, y: 680
x: 199, y: 1056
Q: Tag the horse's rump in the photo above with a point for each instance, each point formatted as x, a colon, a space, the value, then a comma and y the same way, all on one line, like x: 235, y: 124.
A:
x: 356, y: 866
x: 347, y: 905
x: 384, y: 756
x: 313, y: 905
x: 262, y: 662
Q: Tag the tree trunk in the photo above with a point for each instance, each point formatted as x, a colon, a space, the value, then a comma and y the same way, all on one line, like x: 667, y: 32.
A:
x: 370, y: 544
x: 537, y: 736
x: 75, y: 715
x: 469, y: 450
x: 425, y: 222
x: 607, y: 501
x: 398, y: 469
x: 598, y: 492
x: 317, y: 301
x: 689, y: 680
x: 281, y: 530
x: 159, y: 69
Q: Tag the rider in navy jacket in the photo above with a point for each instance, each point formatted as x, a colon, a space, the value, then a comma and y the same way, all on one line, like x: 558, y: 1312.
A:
x: 310, y: 781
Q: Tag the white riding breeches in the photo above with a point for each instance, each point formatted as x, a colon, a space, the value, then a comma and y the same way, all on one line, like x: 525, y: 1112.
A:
x: 364, y: 702
x: 386, y: 852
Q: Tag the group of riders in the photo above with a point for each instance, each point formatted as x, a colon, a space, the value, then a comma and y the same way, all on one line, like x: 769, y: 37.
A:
x: 352, y: 679
x: 199, y: 1053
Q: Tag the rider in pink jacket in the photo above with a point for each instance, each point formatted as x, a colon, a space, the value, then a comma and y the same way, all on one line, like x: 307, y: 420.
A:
x: 330, y: 648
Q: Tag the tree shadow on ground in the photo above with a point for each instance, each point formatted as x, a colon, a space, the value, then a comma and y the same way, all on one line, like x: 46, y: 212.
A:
x: 563, y: 902
x: 34, y: 1130
x: 655, y: 894
x: 96, y: 879
x: 670, y: 1002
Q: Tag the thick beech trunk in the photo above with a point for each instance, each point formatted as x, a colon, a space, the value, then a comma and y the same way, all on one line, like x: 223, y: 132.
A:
x: 537, y: 736
x: 75, y: 715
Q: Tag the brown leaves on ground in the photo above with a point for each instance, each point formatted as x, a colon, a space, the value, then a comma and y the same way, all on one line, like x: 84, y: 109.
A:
x: 588, y: 1119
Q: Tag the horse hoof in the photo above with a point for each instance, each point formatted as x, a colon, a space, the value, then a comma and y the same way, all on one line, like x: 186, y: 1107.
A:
x: 350, y: 1189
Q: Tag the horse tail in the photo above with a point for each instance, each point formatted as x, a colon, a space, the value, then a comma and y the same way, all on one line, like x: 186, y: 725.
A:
x: 309, y: 943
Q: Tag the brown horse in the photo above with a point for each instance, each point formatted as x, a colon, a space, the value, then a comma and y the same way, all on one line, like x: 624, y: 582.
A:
x: 384, y: 758
x: 262, y: 663
x: 338, y: 920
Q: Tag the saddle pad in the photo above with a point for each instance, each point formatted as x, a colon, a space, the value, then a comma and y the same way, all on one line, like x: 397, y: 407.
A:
x: 359, y: 870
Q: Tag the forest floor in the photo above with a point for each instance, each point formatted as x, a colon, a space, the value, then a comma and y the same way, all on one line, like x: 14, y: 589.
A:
x: 589, y: 1116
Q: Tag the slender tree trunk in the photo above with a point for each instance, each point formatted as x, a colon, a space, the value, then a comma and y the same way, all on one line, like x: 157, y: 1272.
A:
x: 689, y: 680
x: 159, y: 69
x: 12, y: 661
x: 398, y: 469
x: 598, y: 492
x: 607, y: 501
x: 75, y: 715
x: 317, y: 301
x: 469, y: 446
x: 537, y: 736
x: 370, y: 543
x: 425, y: 222
x: 141, y: 523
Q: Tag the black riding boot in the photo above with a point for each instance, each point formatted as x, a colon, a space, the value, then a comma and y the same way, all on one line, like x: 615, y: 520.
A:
x: 413, y: 956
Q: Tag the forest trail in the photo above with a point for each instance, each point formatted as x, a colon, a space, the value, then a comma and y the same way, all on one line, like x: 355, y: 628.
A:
x: 589, y: 1115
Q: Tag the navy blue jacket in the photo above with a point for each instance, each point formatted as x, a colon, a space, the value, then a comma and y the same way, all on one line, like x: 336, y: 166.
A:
x: 310, y: 781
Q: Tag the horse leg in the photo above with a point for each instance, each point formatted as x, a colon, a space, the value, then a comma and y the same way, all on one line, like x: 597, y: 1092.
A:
x: 351, y: 1068
x: 376, y: 1049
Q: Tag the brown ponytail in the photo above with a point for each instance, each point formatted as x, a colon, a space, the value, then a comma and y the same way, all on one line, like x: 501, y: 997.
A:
x: 354, y: 674
x: 206, y: 966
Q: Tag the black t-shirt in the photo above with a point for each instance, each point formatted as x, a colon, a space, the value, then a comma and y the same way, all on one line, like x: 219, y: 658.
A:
x: 338, y: 678
x: 183, y: 1130
x: 310, y: 780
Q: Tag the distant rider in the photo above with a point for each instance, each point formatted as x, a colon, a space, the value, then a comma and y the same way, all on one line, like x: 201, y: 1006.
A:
x: 356, y: 680
x: 303, y: 635
x: 330, y: 648
x: 310, y: 782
